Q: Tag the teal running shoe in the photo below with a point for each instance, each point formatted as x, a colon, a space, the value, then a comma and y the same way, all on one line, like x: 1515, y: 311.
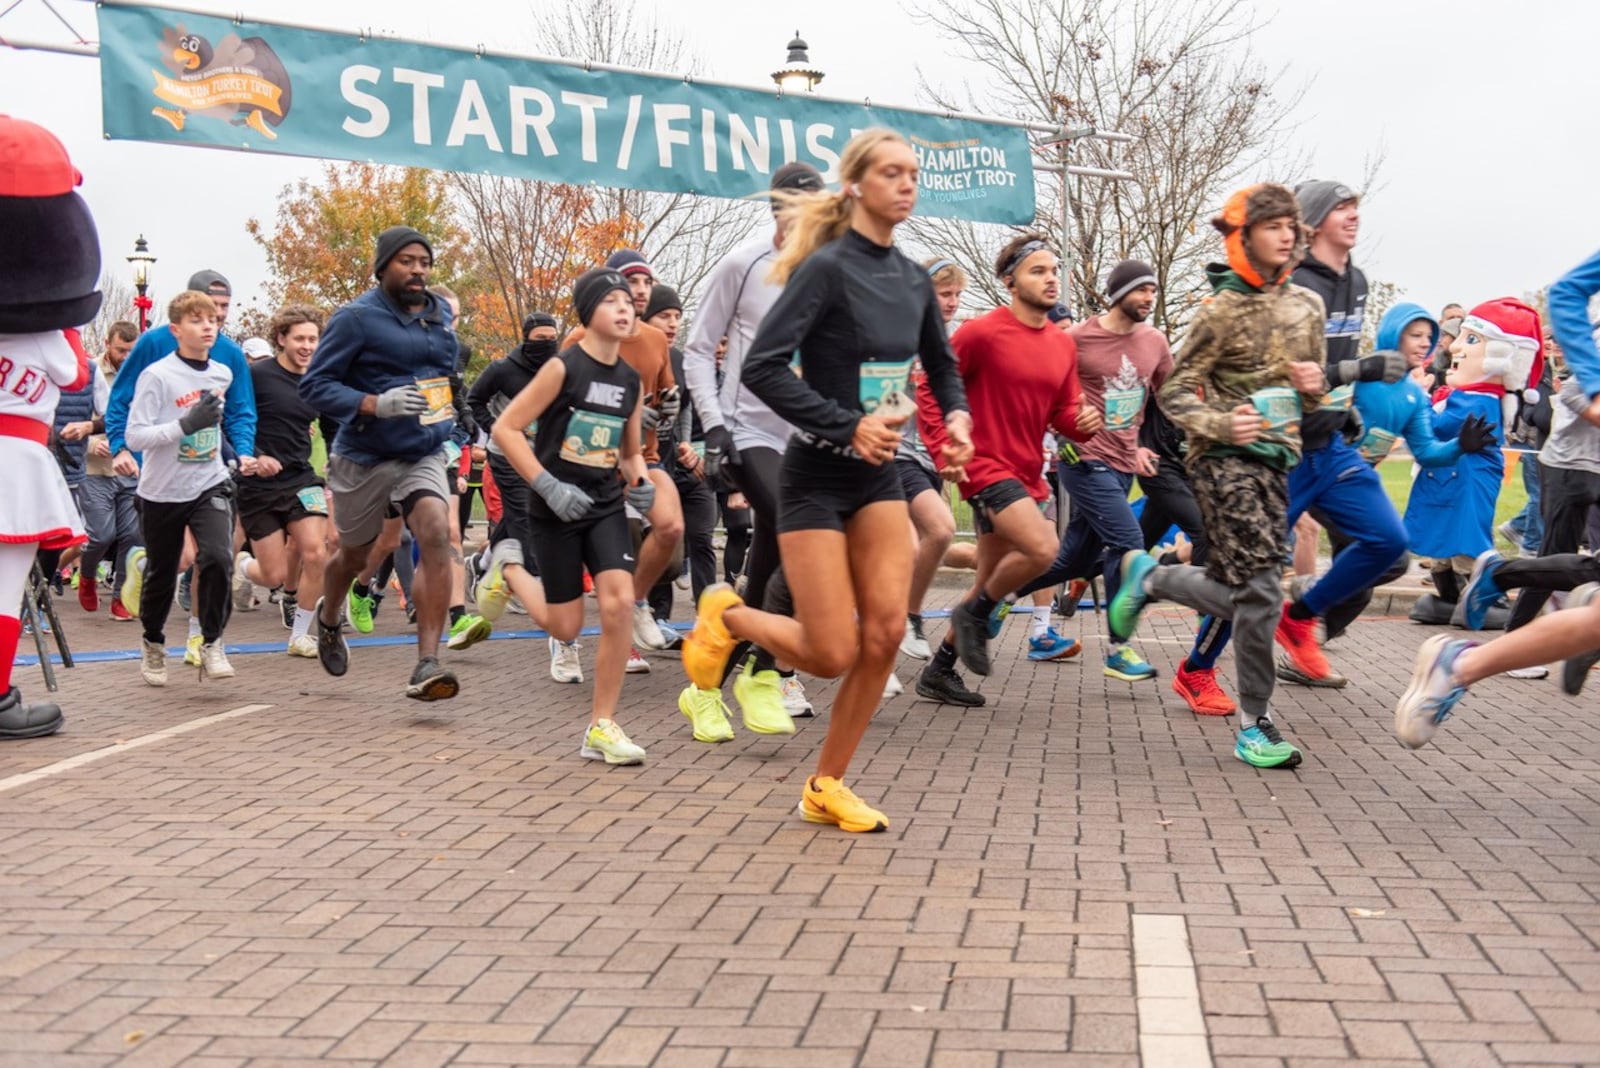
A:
x: 1122, y: 616
x: 1262, y: 746
x: 1129, y: 666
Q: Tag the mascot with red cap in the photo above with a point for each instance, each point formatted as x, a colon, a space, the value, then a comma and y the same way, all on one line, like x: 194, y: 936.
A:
x: 49, y: 291
x: 1497, y: 358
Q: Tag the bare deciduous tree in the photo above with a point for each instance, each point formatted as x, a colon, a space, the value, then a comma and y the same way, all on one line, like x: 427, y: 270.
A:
x: 116, y: 304
x: 682, y: 235
x: 1179, y: 78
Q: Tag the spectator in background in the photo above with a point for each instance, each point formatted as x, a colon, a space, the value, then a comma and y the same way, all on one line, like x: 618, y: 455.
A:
x: 106, y: 498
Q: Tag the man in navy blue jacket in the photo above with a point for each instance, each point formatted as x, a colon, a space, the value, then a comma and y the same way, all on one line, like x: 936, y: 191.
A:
x: 382, y: 371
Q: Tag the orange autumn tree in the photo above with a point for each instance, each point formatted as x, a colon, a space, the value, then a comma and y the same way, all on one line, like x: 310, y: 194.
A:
x: 528, y: 241
x: 319, y: 248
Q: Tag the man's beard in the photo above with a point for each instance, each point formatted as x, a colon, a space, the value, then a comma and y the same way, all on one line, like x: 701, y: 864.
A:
x: 1134, y: 312
x: 412, y: 298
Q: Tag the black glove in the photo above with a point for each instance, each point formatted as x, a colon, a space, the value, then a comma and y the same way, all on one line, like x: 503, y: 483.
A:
x: 1476, y: 434
x: 720, y: 452
x: 204, y: 412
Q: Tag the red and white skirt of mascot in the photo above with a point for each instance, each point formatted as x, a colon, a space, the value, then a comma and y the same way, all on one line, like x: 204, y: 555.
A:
x: 47, y: 289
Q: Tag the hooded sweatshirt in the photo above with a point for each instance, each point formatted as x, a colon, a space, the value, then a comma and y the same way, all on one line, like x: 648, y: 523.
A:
x: 1393, y: 410
x: 1344, y: 302
x: 1238, y: 351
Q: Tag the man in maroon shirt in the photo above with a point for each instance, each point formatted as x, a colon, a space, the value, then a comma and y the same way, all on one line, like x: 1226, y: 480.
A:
x: 1021, y: 378
x: 1122, y: 361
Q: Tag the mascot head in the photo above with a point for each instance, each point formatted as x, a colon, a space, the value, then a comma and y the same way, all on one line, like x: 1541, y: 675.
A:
x: 51, y: 286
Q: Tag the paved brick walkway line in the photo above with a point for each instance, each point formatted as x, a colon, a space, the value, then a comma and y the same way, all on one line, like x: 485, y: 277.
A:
x: 348, y: 877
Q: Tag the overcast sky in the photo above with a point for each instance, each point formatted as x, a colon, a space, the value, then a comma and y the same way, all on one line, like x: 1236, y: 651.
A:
x: 1486, y: 112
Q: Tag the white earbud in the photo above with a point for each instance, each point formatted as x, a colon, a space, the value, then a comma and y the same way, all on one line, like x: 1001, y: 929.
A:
x: 855, y: 190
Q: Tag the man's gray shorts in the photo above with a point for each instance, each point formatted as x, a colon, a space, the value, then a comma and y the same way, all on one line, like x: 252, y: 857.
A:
x: 362, y: 495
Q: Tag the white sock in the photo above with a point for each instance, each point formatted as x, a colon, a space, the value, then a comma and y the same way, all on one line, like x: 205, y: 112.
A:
x: 1041, y: 620
x: 302, y: 623
x: 194, y: 626
x: 245, y: 561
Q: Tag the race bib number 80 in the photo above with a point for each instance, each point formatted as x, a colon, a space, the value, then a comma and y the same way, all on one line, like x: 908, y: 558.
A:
x: 593, y: 439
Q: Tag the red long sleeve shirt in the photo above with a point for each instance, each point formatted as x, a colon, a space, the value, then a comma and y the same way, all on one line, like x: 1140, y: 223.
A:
x: 1021, y: 382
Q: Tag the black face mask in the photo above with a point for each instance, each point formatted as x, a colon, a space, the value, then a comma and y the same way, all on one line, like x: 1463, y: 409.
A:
x: 535, y: 353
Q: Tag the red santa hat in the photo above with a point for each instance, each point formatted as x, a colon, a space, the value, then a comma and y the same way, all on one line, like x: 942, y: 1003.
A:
x: 1516, y: 341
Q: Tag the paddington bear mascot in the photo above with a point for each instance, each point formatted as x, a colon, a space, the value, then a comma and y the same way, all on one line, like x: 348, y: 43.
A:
x: 47, y: 290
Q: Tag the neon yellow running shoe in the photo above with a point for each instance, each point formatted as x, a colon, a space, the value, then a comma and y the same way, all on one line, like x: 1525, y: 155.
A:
x: 706, y: 713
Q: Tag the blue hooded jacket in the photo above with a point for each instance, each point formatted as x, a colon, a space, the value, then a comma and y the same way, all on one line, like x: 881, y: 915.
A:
x: 371, y: 345
x: 1393, y: 410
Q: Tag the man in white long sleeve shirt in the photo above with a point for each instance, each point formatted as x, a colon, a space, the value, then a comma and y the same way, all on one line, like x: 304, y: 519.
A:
x: 745, y: 441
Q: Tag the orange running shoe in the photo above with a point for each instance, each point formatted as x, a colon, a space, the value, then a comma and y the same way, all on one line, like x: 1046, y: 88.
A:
x: 826, y: 800
x: 1299, y: 640
x: 1200, y: 691
x: 707, y: 648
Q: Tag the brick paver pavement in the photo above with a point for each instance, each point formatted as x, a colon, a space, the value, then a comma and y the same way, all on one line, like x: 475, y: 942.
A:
x: 348, y: 877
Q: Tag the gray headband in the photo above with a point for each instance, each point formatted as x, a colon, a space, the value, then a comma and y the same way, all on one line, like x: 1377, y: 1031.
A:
x: 939, y: 265
x: 1021, y: 254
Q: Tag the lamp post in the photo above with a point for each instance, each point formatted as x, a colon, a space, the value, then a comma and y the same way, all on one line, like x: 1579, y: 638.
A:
x: 141, y: 260
x: 797, y: 75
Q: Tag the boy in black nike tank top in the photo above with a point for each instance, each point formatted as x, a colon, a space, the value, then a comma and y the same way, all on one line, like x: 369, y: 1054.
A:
x: 587, y: 442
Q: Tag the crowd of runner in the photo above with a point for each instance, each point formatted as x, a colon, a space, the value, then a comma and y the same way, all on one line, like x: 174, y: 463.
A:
x: 811, y: 417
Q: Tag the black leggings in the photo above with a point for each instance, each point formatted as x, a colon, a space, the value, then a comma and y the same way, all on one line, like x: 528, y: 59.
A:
x: 1169, y: 501
x: 736, y: 524
x: 210, y: 518
x: 1566, y: 496
x: 757, y: 478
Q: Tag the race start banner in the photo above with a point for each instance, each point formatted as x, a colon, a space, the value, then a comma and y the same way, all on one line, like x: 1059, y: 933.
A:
x: 184, y: 78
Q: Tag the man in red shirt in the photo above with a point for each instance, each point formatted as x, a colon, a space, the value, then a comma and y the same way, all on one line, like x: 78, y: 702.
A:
x: 1021, y: 376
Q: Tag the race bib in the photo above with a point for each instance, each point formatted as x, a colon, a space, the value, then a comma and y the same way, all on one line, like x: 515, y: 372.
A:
x: 593, y: 439
x: 884, y: 388
x: 200, y: 447
x: 1340, y: 400
x: 698, y: 448
x: 1376, y: 444
x: 452, y: 454
x: 1279, y: 407
x: 314, y: 499
x: 437, y: 393
x: 1123, y: 407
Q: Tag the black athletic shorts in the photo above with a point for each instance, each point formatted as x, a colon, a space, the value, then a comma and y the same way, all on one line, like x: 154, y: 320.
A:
x: 265, y: 511
x: 600, y: 543
x: 994, y: 499
x: 817, y: 491
x: 916, y: 479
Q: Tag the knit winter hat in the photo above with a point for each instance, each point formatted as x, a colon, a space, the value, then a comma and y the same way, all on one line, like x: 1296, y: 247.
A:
x: 50, y: 278
x: 538, y: 319
x: 1318, y: 197
x: 1059, y: 313
x: 592, y: 287
x: 391, y: 241
x: 1127, y: 276
x: 629, y: 262
x: 662, y: 297
x: 1516, y: 341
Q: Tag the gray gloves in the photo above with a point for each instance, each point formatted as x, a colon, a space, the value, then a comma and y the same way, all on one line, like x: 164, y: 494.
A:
x: 567, y: 501
x: 671, y: 404
x: 204, y: 412
x: 720, y: 452
x: 642, y: 495
x: 1385, y: 366
x: 401, y: 401
x: 649, y: 418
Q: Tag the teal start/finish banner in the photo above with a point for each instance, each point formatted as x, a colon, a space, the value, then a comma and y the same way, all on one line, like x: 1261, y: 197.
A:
x: 185, y: 78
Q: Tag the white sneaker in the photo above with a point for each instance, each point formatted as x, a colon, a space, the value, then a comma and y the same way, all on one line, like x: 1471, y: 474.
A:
x: 795, y: 701
x: 637, y: 665
x: 153, y: 663
x: 1538, y: 671
x: 244, y: 591
x: 214, y: 662
x: 605, y: 741
x: 564, y: 665
x: 305, y: 646
x: 682, y: 581
x: 914, y: 644
x: 894, y: 687
x: 646, y: 632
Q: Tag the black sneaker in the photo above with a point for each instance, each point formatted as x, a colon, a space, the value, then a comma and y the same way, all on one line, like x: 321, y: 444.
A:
x: 287, y: 604
x: 430, y: 682
x: 945, y: 686
x: 971, y: 634
x: 18, y: 720
x: 332, y: 652
x: 411, y: 614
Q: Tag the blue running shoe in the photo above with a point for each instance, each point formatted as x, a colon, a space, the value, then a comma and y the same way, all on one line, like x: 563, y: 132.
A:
x: 997, y: 618
x: 1052, y: 646
x: 1122, y: 615
x: 1481, y: 592
x: 1129, y: 666
x: 1433, y: 693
